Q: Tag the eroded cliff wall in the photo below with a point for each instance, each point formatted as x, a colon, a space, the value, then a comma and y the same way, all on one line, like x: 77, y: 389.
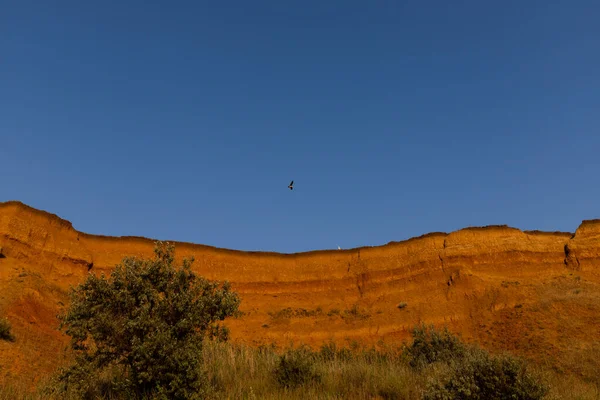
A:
x: 496, y: 285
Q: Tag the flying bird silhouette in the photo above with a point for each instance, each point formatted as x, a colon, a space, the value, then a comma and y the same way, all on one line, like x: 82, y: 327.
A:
x: 291, y: 185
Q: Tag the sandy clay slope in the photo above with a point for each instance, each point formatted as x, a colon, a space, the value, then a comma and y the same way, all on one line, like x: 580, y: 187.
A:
x: 536, y: 294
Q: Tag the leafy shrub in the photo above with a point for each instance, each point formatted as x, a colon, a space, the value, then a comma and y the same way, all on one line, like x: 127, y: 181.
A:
x: 430, y: 345
x: 333, y: 311
x: 295, y: 313
x: 482, y: 376
x: 5, y: 333
x: 296, y: 367
x: 146, y: 321
x: 355, y: 312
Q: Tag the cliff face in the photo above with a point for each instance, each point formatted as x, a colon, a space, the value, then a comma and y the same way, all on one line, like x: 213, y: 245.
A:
x: 533, y: 293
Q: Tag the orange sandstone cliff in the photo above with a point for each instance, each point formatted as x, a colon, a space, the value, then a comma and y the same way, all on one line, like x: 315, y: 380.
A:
x: 536, y: 294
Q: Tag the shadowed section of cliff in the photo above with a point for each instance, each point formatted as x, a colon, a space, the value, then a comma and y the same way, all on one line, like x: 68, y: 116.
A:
x: 533, y: 293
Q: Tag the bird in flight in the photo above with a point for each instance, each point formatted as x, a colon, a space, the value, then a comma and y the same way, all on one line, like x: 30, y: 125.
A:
x: 291, y: 185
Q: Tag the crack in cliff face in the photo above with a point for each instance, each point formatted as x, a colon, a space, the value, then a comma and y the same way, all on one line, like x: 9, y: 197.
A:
x: 442, y: 262
x: 571, y: 260
x: 361, y: 283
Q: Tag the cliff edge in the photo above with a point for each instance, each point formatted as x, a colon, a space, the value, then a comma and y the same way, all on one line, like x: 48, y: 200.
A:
x: 530, y: 292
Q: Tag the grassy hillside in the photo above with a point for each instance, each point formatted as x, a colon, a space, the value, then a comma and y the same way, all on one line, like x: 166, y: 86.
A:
x: 426, y: 368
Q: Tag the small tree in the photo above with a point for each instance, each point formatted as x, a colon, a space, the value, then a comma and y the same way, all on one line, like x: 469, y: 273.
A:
x: 431, y: 345
x: 147, y: 321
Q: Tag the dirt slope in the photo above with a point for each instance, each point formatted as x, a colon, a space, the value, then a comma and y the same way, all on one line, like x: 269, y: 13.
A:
x: 533, y: 293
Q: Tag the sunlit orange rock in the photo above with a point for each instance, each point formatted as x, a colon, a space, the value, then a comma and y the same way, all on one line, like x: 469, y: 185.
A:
x: 536, y: 294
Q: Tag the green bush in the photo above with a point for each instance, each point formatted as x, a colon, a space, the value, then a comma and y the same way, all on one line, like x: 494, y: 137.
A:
x: 296, y: 367
x: 333, y: 311
x: 430, y: 345
x: 482, y: 376
x: 146, y: 322
x: 5, y: 333
x: 295, y: 313
x: 355, y: 312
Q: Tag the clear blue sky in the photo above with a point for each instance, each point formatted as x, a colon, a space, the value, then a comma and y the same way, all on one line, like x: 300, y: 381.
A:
x: 186, y: 120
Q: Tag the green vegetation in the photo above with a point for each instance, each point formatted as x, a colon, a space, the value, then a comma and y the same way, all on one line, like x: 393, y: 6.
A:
x: 140, y: 332
x: 355, y: 312
x: 481, y: 376
x: 5, y: 333
x: 333, y: 311
x: 295, y: 313
x: 384, y: 372
x: 351, y: 313
x: 430, y: 345
x: 472, y: 373
x: 296, y: 367
x: 331, y: 372
x: 444, y: 368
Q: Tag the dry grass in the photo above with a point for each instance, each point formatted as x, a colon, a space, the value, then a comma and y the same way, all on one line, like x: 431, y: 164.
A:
x: 242, y: 372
